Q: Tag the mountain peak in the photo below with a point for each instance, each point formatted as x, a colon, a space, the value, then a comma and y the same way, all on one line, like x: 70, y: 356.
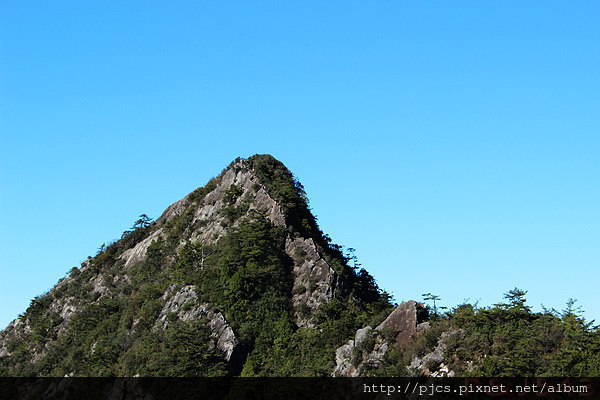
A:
x: 239, y: 265
x: 237, y: 278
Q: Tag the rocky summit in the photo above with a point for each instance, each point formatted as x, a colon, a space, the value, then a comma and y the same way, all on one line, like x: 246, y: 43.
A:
x: 237, y: 279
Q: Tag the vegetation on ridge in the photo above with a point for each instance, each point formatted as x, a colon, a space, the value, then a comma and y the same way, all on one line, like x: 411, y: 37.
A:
x: 507, y: 339
x: 111, y: 319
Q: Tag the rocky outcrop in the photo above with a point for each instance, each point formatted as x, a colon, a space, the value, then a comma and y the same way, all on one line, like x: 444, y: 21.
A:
x: 8, y: 333
x: 402, y: 323
x: 369, y: 346
x: 315, y: 281
x: 138, y: 252
x: 435, y: 364
x: 237, y: 187
x: 184, y: 305
x: 360, y: 355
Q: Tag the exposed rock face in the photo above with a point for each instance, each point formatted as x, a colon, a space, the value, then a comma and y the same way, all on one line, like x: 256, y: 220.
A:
x: 369, y: 346
x: 315, y: 281
x: 401, y: 323
x: 434, y: 363
x: 138, y: 253
x: 15, y: 326
x: 360, y: 355
x: 183, y: 304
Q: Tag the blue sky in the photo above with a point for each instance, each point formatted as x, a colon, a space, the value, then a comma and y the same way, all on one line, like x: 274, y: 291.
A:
x: 453, y: 144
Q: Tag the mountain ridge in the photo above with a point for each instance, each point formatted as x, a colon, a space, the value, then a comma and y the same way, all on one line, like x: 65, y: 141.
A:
x: 237, y: 279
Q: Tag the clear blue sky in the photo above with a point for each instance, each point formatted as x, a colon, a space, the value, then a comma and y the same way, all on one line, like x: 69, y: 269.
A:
x: 454, y: 144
